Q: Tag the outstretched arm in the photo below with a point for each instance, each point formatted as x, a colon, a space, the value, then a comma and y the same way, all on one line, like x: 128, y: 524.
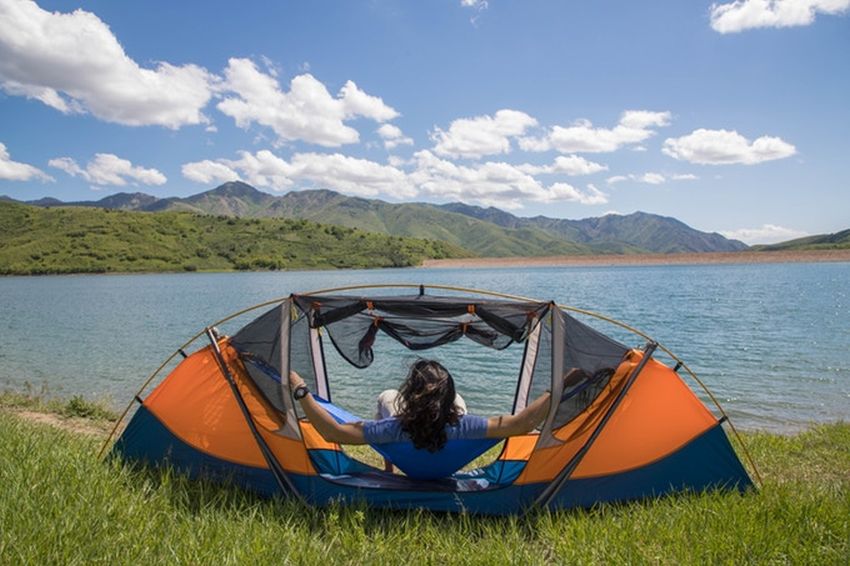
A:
x: 522, y: 422
x: 324, y: 423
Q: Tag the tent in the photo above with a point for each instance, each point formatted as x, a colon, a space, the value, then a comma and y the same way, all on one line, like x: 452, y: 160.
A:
x: 631, y: 428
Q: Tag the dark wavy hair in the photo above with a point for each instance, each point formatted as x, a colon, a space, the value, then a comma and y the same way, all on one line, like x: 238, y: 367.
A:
x: 428, y: 405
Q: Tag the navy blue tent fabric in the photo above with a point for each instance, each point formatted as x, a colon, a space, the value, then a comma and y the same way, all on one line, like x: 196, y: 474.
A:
x: 708, y: 462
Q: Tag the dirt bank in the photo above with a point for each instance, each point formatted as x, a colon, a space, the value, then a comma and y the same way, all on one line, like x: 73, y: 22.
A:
x: 647, y: 259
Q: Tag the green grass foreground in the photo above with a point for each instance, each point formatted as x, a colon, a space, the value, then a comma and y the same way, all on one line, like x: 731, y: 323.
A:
x: 37, y: 241
x: 60, y: 505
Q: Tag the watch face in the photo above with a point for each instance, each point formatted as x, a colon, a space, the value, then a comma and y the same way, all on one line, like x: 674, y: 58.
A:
x: 300, y: 393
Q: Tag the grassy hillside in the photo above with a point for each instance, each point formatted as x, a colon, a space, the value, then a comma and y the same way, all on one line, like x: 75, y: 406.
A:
x: 416, y: 220
x: 483, y: 231
x: 835, y: 241
x: 79, y: 240
x: 638, y: 232
x: 60, y: 505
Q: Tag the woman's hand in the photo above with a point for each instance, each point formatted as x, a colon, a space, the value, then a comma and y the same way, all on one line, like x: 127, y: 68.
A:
x: 295, y: 380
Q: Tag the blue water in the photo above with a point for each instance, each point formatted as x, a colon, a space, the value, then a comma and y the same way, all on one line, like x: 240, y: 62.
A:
x: 771, y: 341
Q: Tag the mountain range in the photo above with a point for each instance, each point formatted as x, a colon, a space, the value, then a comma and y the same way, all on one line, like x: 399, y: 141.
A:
x: 483, y: 231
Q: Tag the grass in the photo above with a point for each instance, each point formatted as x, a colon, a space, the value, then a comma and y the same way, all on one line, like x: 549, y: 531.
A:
x: 60, y: 504
x: 36, y: 241
x: 77, y: 406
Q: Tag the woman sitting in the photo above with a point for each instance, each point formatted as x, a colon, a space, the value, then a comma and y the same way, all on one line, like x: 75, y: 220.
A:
x: 424, y: 411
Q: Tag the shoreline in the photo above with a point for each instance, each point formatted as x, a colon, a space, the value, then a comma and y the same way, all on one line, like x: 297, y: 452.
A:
x: 703, y: 258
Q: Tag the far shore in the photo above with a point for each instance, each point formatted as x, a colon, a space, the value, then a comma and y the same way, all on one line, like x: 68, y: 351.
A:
x: 796, y: 256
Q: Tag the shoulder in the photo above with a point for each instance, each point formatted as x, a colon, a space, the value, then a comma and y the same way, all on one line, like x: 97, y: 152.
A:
x: 383, y: 431
x: 469, y: 427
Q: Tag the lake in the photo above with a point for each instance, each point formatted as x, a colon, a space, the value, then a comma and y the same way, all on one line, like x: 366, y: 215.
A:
x: 771, y: 340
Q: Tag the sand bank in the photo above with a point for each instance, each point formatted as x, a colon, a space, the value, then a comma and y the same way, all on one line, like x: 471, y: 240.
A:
x: 647, y: 259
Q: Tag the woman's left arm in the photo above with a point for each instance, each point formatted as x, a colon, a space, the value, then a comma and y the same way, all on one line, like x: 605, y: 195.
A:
x: 521, y: 423
x: 324, y: 423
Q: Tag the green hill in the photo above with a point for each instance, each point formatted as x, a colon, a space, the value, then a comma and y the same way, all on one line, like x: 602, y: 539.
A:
x: 836, y: 241
x: 418, y: 220
x: 37, y: 240
x: 483, y: 231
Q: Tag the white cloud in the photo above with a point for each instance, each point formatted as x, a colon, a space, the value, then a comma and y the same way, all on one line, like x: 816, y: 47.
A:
x: 306, y: 112
x: 748, y: 14
x: 329, y: 171
x: 651, y: 178
x: 571, y: 165
x: 482, y: 135
x: 209, y: 172
x: 718, y: 147
x: 635, y: 126
x: 73, y: 63
x: 478, y: 5
x: 351, y: 175
x: 766, y: 234
x: 107, y: 169
x: 491, y: 183
x: 16, y: 171
x: 393, y: 136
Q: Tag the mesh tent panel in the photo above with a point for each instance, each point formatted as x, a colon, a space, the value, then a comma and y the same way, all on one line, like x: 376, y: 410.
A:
x: 258, y: 344
x: 418, y: 322
x: 589, y: 361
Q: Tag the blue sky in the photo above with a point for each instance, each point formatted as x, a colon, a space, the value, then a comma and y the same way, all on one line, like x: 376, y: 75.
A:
x: 732, y: 117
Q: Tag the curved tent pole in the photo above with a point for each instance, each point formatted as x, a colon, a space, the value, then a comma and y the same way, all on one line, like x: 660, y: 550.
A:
x: 421, y: 288
x: 179, y: 350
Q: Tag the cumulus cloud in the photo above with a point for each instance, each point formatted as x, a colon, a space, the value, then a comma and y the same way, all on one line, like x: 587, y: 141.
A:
x: 107, y: 169
x: 16, y: 171
x: 72, y: 62
x: 306, y: 112
x: 352, y: 175
x: 635, y: 126
x: 651, y: 178
x: 491, y: 184
x: 742, y: 15
x: 720, y: 147
x: 482, y: 135
x: 766, y: 234
x: 393, y: 136
x: 331, y: 171
x: 571, y: 165
x: 209, y: 172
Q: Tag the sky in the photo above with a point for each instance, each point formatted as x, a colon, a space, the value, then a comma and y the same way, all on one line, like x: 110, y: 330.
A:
x: 733, y: 117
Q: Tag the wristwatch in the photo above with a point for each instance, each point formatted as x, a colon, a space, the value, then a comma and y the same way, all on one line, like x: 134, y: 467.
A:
x: 300, y: 392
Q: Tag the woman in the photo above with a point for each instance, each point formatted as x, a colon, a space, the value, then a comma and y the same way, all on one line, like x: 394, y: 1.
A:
x: 427, y: 414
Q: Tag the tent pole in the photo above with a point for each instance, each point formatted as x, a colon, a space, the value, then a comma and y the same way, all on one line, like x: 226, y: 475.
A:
x: 555, y: 486
x: 138, y: 394
x: 279, y: 474
x: 463, y: 290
